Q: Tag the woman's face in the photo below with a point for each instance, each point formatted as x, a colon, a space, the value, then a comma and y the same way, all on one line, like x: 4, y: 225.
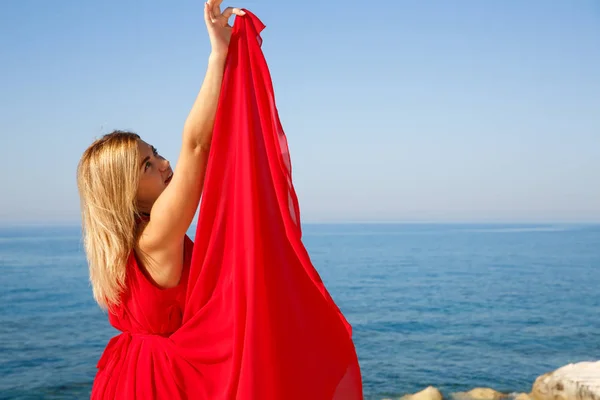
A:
x: 155, y: 175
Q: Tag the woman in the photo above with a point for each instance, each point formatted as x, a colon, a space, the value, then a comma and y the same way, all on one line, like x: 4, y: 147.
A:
x: 246, y: 316
x: 132, y: 200
x: 136, y: 212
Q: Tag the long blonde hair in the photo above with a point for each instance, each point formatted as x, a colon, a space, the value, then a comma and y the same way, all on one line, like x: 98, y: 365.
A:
x: 107, y: 179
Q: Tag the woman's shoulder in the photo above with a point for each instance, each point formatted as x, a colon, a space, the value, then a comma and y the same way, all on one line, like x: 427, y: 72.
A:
x: 141, y: 263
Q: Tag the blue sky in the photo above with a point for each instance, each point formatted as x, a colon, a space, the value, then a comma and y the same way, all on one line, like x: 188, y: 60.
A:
x: 395, y: 111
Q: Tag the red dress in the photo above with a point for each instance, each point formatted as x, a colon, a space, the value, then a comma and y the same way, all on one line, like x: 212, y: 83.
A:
x: 251, y: 318
x: 141, y: 362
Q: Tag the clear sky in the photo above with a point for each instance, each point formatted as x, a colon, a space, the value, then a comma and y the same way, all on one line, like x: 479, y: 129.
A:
x: 394, y: 110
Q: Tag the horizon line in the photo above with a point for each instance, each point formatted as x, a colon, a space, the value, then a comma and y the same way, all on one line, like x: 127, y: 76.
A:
x: 20, y: 224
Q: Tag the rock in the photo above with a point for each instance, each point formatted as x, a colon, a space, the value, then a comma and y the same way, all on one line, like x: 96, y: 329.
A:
x: 480, y: 394
x: 523, y: 396
x: 430, y: 393
x: 579, y: 381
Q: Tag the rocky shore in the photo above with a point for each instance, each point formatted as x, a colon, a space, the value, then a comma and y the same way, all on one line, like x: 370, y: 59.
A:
x: 579, y: 381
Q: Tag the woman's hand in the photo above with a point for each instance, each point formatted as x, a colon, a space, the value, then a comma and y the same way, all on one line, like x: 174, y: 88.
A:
x: 217, y: 23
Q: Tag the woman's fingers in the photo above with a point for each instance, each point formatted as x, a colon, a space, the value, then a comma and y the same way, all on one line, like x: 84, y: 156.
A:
x: 229, y: 11
x: 215, y: 6
x: 214, y: 3
x: 208, y: 15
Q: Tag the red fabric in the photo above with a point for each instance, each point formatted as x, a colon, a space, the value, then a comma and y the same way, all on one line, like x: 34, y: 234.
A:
x: 142, y: 362
x: 257, y: 321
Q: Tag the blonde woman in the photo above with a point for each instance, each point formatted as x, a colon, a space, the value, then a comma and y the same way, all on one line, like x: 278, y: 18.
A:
x: 135, y: 212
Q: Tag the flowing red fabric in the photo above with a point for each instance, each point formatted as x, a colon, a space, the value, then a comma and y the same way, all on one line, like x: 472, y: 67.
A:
x: 256, y: 321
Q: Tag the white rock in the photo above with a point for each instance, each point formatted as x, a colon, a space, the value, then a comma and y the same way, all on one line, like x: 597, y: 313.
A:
x: 430, y: 393
x: 579, y: 381
x: 479, y: 394
x: 523, y: 396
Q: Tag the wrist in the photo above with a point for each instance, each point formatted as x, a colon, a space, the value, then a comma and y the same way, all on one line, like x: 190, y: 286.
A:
x: 217, y: 57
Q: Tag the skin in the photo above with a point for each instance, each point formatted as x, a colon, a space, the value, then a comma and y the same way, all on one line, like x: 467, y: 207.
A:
x: 172, y: 205
x: 155, y: 172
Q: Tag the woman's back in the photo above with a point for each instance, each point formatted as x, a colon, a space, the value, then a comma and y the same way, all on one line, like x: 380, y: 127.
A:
x: 146, y: 316
x: 147, y: 308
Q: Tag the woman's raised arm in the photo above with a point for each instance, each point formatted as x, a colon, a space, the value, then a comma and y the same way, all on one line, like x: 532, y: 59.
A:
x: 174, y: 210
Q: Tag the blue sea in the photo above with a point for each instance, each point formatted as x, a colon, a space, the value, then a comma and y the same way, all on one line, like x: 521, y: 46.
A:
x: 453, y: 306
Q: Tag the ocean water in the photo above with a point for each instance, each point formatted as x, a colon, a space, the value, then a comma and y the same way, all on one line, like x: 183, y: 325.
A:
x: 454, y: 306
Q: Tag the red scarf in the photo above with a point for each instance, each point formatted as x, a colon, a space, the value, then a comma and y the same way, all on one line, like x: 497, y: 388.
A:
x: 258, y: 317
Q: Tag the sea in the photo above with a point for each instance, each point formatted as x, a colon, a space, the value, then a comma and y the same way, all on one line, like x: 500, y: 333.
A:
x: 455, y: 306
